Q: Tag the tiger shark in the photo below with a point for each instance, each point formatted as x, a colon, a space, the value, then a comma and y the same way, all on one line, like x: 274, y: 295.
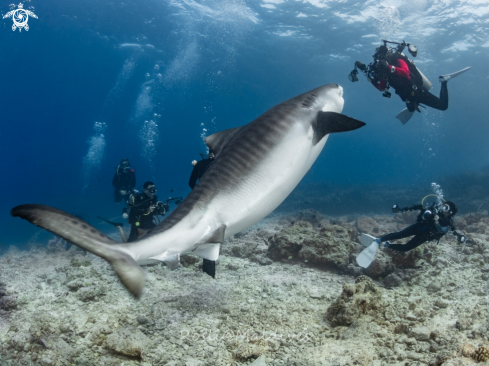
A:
x: 256, y: 167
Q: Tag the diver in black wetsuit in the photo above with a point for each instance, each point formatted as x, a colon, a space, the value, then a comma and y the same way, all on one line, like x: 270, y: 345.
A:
x: 200, y: 168
x: 143, y: 207
x: 431, y: 224
x: 124, y: 181
x: 391, y: 68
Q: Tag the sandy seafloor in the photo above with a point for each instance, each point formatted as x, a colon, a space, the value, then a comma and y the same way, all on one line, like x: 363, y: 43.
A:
x: 284, y: 294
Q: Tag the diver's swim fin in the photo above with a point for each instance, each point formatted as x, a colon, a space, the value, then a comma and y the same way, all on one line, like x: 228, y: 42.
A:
x: 453, y: 75
x: 366, y: 239
x: 405, y: 115
x: 367, y: 256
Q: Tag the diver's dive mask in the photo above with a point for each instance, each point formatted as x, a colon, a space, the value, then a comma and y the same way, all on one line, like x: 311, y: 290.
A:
x: 445, y: 208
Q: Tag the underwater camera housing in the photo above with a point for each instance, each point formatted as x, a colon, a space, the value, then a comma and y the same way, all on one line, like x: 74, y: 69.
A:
x: 352, y: 76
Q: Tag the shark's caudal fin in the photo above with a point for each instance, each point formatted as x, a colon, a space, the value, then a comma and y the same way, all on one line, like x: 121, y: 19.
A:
x: 77, y: 231
x: 331, y: 122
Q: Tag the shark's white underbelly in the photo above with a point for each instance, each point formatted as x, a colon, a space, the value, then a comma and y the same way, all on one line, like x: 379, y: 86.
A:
x: 265, y: 188
x: 244, y: 204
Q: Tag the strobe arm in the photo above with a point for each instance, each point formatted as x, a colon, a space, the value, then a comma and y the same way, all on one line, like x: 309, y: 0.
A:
x: 396, y: 208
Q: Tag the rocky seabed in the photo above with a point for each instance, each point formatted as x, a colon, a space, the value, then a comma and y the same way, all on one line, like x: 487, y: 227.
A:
x: 287, y: 292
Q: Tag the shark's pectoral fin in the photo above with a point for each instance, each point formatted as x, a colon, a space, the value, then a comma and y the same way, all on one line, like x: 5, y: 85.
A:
x: 217, y: 141
x: 330, y: 122
x: 171, y: 259
x: 208, y: 251
x: 77, y: 231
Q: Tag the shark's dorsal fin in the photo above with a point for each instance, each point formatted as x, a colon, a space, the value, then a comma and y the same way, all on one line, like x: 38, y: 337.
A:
x: 217, y: 141
x: 330, y: 122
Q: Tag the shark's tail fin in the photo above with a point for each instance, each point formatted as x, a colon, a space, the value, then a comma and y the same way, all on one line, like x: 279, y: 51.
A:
x: 77, y: 231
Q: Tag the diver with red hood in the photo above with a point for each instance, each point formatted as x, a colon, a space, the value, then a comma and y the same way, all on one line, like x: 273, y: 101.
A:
x: 391, y: 68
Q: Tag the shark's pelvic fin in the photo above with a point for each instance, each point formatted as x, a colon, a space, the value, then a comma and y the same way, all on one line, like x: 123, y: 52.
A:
x: 171, y: 259
x: 330, y: 122
x: 77, y: 231
x: 208, y: 251
x: 217, y: 141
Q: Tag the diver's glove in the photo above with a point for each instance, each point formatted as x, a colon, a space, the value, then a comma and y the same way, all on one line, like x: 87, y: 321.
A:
x: 387, y: 244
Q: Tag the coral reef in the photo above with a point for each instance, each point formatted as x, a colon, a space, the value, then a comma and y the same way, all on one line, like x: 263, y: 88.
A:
x: 362, y: 298
x: 481, y: 354
x: 327, y: 245
x: 317, y: 308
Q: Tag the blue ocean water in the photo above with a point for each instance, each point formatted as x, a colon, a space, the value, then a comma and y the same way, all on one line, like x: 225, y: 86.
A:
x: 92, y: 82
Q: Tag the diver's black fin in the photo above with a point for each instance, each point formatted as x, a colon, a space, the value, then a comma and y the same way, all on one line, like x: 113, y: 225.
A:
x: 209, y: 267
x: 331, y: 122
x: 217, y: 141
x: 111, y: 222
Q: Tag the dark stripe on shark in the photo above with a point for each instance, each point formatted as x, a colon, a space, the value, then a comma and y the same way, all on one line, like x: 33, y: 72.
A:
x: 241, y: 154
x: 247, y: 148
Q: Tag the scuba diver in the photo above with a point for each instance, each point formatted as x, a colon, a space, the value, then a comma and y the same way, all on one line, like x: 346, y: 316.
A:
x: 391, y: 68
x: 200, y: 168
x: 124, y: 180
x: 143, y: 207
x: 432, y: 223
